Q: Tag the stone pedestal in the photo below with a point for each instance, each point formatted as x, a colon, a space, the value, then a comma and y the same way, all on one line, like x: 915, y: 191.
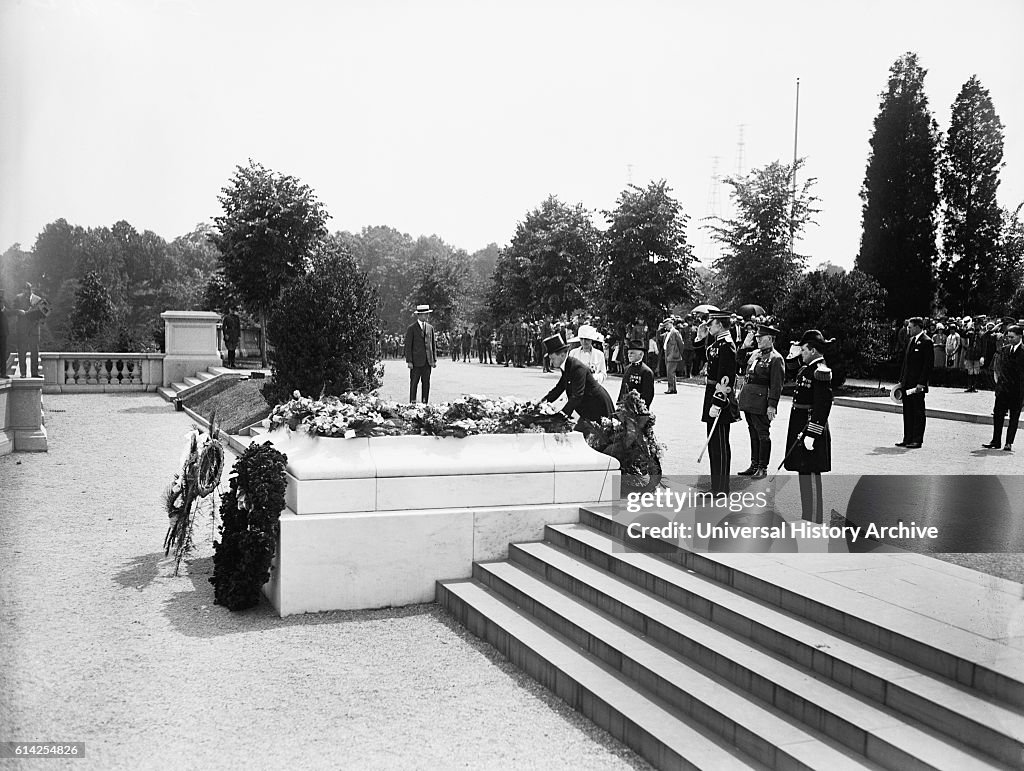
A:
x: 190, y: 338
x: 21, y: 415
x: 376, y: 522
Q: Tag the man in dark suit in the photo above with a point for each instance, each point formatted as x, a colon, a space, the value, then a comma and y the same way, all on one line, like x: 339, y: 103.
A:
x: 918, y: 361
x: 420, y: 352
x: 584, y: 394
x: 1009, y: 377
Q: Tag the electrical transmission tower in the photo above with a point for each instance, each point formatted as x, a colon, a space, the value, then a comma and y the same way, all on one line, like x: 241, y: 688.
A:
x: 739, y: 152
x: 708, y: 252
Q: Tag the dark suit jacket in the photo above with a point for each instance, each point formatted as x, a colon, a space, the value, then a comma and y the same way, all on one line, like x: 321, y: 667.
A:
x: 585, y: 395
x: 1011, y: 374
x: 917, y: 363
x: 420, y: 346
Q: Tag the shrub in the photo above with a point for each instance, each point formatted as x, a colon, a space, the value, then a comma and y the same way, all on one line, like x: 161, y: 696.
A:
x: 846, y: 306
x: 249, y: 527
x: 324, y: 330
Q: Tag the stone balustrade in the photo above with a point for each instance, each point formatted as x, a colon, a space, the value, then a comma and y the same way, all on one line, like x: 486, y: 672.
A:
x: 88, y: 372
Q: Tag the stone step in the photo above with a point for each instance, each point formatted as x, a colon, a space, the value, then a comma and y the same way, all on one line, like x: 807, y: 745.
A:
x: 221, y: 370
x: 192, y: 381
x: 983, y: 665
x: 167, y: 393
x: 642, y: 722
x: 203, y: 376
x: 808, y: 682
x: 761, y: 729
x: 179, y: 387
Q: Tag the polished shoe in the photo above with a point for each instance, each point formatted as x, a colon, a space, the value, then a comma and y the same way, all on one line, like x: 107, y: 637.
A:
x: 1008, y: 448
x: 750, y: 471
x: 913, y: 446
x: 760, y: 473
x: 671, y: 392
x: 904, y: 443
x: 991, y: 446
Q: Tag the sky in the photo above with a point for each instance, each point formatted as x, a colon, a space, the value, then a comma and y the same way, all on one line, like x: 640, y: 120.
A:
x: 457, y: 118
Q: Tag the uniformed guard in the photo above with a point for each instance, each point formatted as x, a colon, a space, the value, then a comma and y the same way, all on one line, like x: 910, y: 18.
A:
x: 720, y: 408
x: 637, y: 376
x: 808, y: 437
x: 759, y: 398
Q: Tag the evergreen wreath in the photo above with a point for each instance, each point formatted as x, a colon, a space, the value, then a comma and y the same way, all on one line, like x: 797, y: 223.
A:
x: 249, y: 527
x: 200, y: 473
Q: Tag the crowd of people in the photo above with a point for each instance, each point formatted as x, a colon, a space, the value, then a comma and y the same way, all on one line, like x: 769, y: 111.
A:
x: 737, y: 357
x: 963, y: 349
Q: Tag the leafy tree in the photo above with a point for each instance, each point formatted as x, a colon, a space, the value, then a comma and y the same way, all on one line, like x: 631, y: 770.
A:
x: 324, y: 328
x: 646, y: 265
x: 385, y: 255
x: 1010, y: 266
x: 56, y: 253
x: 972, y: 219
x: 510, y: 294
x: 194, y: 261
x: 478, y: 280
x: 758, y: 261
x: 847, y: 306
x: 93, y: 309
x: 900, y: 194
x: 558, y: 243
x: 441, y: 284
x: 271, y: 227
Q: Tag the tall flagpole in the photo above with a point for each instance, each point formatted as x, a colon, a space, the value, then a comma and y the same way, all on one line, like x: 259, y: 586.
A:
x: 792, y: 210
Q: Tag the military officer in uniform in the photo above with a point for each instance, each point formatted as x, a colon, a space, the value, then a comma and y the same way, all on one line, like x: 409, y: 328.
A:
x: 637, y: 376
x: 808, y: 438
x: 720, y: 409
x: 759, y: 399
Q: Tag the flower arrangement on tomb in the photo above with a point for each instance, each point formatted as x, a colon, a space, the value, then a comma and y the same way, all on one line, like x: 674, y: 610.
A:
x: 201, y: 468
x: 359, y: 415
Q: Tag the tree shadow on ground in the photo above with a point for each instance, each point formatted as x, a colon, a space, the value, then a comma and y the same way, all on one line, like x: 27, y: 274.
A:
x: 140, y: 572
x: 152, y: 409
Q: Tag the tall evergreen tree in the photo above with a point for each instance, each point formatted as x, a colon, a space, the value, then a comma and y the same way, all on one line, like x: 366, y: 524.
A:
x: 646, y: 263
x: 972, y: 221
x: 900, y: 194
x: 758, y: 261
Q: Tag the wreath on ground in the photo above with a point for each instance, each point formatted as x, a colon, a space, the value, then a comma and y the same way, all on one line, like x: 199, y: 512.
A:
x: 249, y: 528
x: 200, y: 474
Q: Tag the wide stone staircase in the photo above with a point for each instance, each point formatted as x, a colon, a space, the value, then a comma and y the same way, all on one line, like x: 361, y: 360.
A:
x: 716, y: 661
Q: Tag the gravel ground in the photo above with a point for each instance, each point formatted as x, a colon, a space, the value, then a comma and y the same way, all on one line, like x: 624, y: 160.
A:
x: 102, y: 644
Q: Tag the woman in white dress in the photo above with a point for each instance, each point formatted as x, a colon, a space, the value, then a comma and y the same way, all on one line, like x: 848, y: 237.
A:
x: 588, y: 354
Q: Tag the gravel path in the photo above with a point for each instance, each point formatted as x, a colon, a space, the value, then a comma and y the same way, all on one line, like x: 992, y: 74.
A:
x: 101, y: 644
